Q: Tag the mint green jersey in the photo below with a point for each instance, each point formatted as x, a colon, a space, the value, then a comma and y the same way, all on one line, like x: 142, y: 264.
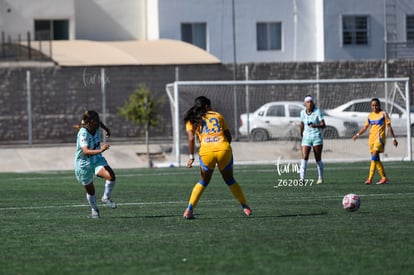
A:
x: 311, y: 136
x: 85, y: 166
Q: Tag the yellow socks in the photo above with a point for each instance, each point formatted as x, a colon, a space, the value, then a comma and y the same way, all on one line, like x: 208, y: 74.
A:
x: 380, y: 169
x: 196, y: 194
x: 376, y: 164
x: 198, y: 190
x: 372, y: 169
x: 238, y: 193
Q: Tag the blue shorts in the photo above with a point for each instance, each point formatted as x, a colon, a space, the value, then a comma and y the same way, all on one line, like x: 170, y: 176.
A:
x: 310, y: 142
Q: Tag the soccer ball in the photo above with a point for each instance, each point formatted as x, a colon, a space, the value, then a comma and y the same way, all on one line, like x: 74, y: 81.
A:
x: 351, y: 202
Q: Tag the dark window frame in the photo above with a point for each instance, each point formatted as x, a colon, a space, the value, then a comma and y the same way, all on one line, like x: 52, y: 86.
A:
x: 269, y: 36
x: 355, y: 30
x: 195, y: 33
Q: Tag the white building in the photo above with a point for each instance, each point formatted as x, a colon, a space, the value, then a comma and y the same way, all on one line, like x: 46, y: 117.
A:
x: 232, y: 30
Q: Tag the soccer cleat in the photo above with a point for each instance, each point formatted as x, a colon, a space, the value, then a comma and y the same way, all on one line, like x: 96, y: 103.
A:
x: 320, y: 181
x: 188, y: 214
x: 108, y: 202
x: 95, y: 214
x: 383, y: 181
x: 368, y: 181
x: 247, y: 211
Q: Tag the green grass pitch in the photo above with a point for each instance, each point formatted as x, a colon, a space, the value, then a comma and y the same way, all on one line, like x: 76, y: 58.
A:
x: 45, y: 227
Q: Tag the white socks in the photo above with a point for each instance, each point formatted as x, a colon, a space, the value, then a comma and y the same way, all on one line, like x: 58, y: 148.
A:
x: 320, y: 169
x: 109, y: 186
x: 303, y: 165
x: 92, y: 201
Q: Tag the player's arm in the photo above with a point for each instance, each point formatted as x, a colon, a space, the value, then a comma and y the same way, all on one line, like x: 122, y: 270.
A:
x: 360, y: 132
x: 391, y: 131
x: 191, y: 147
x: 91, y: 152
x: 301, y: 128
x: 321, y: 125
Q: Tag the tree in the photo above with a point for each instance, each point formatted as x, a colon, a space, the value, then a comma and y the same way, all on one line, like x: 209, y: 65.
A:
x: 140, y: 110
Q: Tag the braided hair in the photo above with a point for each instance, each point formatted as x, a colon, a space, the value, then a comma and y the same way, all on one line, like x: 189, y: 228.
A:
x: 195, y: 114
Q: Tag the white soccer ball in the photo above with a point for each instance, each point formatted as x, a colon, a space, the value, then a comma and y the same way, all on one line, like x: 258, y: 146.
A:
x: 351, y: 202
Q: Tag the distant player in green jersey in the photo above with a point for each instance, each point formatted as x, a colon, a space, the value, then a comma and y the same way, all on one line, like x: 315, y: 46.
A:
x: 311, y: 126
x: 89, y: 160
x: 214, y: 138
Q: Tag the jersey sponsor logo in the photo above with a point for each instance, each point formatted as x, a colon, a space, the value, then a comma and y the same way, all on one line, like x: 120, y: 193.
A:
x: 211, y: 139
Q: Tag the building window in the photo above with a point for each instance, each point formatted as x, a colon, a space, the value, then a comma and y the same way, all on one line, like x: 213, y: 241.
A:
x: 355, y: 30
x: 195, y: 33
x: 51, y: 29
x: 269, y: 36
x: 410, y: 28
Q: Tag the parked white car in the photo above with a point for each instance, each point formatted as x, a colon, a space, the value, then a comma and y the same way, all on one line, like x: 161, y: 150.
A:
x: 359, y: 109
x: 281, y: 119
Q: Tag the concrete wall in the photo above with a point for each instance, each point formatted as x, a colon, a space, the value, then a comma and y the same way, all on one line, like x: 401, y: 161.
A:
x: 61, y: 95
x: 299, y: 40
x: 17, y: 17
x: 311, y: 29
x: 108, y: 20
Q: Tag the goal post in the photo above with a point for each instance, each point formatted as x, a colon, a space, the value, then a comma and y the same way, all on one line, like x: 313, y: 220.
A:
x: 233, y: 98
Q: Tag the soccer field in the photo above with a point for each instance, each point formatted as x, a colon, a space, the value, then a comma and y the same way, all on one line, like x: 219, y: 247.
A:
x: 45, y: 227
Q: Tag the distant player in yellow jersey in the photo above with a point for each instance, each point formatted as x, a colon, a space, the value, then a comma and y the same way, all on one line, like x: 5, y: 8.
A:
x: 214, y: 138
x: 378, y: 120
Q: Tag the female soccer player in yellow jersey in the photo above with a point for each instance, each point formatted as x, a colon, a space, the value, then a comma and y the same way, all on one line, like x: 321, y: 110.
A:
x: 214, y: 138
x: 377, y: 121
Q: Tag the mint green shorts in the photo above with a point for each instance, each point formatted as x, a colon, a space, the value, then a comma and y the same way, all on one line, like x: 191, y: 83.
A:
x: 85, y: 172
x: 84, y: 175
x: 310, y: 142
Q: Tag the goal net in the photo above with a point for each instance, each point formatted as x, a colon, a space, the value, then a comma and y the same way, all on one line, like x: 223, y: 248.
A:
x: 263, y: 116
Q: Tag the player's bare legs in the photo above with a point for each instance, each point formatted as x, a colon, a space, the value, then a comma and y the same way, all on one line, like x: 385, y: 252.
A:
x: 108, y: 174
x: 235, y: 189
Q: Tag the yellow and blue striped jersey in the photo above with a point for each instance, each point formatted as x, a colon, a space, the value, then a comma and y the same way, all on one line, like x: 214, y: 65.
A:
x: 211, y: 133
x: 378, y: 123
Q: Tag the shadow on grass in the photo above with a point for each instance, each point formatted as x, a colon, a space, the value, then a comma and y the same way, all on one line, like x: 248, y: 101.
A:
x: 302, y: 215
x: 227, y: 217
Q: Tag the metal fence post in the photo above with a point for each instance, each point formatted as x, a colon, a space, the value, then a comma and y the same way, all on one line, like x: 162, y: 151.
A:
x: 29, y: 109
x: 103, y: 90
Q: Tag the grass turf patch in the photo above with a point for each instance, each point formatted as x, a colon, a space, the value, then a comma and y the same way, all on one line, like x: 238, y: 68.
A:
x: 294, y: 229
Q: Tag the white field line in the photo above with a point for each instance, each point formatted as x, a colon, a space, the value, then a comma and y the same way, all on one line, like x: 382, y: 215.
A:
x: 389, y: 195
x: 86, y: 205
x: 238, y: 169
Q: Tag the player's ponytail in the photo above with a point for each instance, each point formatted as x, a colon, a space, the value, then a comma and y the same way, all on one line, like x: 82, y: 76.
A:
x: 195, y: 114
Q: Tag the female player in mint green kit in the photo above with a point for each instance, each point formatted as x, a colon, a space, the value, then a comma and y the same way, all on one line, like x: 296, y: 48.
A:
x: 89, y: 160
x: 214, y: 138
x: 311, y: 125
